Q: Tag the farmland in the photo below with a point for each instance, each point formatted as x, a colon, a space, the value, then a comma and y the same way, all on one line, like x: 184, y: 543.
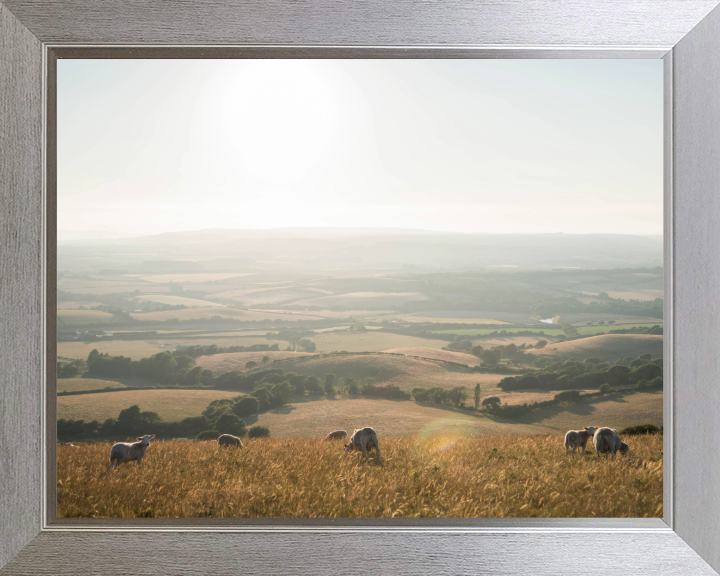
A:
x: 432, y: 475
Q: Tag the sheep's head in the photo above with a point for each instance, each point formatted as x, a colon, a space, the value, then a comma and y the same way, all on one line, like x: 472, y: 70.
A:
x: 590, y: 430
x: 624, y: 448
x: 145, y: 439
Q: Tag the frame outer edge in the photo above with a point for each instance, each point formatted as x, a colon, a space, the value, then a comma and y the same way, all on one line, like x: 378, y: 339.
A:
x: 696, y: 175
x: 21, y: 168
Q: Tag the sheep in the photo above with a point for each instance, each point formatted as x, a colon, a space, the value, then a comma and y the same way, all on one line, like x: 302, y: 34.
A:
x: 127, y: 452
x: 608, y: 440
x: 335, y: 435
x: 578, y: 439
x: 364, y: 439
x: 229, y: 440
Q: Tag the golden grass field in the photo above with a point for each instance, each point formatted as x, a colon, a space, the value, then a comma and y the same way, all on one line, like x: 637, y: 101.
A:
x: 606, y: 346
x: 171, y: 405
x: 402, y: 371
x: 445, y: 476
x: 219, y: 363
x: 77, y: 384
x: 200, y: 313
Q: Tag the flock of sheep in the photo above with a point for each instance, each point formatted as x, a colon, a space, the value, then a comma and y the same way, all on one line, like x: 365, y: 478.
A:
x: 363, y: 439
x: 606, y: 440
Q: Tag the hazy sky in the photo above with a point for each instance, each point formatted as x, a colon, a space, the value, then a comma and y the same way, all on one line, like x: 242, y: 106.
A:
x: 151, y: 146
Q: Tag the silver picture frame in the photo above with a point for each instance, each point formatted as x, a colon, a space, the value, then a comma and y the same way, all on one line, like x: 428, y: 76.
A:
x: 684, y: 33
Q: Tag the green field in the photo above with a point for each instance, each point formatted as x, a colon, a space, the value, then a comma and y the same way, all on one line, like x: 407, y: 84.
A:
x: 592, y: 330
x: 82, y: 318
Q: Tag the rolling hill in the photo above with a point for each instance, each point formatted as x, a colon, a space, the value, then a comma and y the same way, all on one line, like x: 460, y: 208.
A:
x: 606, y: 346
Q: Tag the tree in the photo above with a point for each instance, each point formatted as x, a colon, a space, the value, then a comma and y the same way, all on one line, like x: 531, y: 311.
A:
x: 246, y: 406
x: 330, y: 384
x: 477, y: 396
x: 93, y: 354
x: 351, y: 386
x: 476, y: 350
x: 229, y: 423
x: 456, y: 395
x: 250, y: 365
x: 605, y: 389
x: 491, y: 402
x: 265, y: 359
x: 258, y: 432
x: 541, y: 344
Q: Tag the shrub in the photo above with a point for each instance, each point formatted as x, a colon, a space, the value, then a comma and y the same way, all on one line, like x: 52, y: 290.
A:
x: 604, y: 389
x: 251, y: 364
x: 568, y: 396
x: 642, y: 429
x: 208, y: 435
x: 259, y: 432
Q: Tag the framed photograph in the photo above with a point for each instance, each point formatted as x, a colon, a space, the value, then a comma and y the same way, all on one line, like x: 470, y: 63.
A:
x: 187, y: 268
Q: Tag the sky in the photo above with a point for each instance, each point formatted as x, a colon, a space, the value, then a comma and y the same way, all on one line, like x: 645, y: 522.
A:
x: 476, y: 146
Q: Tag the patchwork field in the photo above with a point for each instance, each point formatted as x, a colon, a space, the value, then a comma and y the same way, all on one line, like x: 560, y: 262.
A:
x: 370, y: 342
x: 426, y: 476
x: 171, y: 405
x: 606, y: 346
x: 360, y: 299
x: 189, y: 277
x: 484, y: 331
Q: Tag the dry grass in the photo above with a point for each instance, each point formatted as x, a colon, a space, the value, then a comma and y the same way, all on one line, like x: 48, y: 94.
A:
x: 219, y: 363
x: 188, y: 277
x: 171, y: 405
x: 485, y: 476
x: 606, y: 346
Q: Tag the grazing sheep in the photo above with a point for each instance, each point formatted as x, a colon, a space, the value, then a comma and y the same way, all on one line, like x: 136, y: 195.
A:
x: 364, y: 439
x: 578, y: 439
x: 229, y: 440
x: 127, y: 452
x: 335, y: 435
x: 608, y: 440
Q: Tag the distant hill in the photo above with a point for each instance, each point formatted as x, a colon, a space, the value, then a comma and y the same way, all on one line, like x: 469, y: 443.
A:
x: 606, y: 346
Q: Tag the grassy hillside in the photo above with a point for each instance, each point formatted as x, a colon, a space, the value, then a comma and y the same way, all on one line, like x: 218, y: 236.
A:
x: 402, y: 371
x: 615, y: 412
x: 606, y: 346
x: 84, y: 318
x: 452, y: 477
x: 435, y: 354
x: 171, y: 405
